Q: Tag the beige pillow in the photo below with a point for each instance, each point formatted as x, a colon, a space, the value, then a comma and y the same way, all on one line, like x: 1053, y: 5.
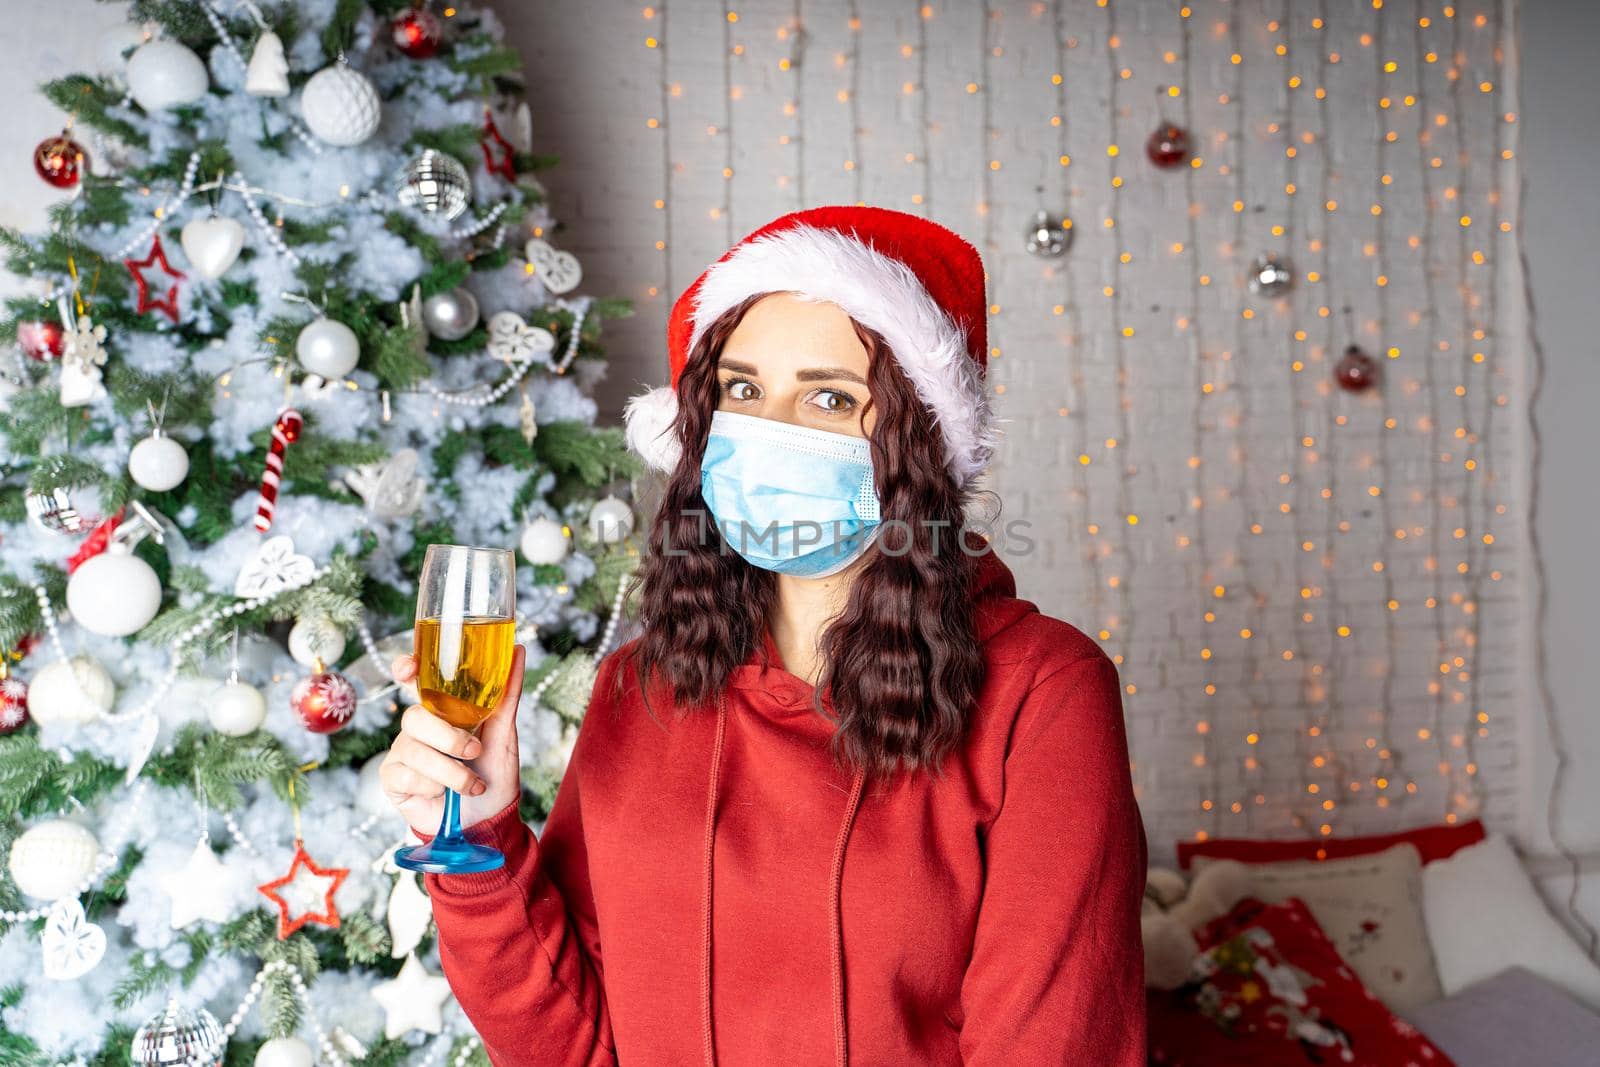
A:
x: 1371, y: 909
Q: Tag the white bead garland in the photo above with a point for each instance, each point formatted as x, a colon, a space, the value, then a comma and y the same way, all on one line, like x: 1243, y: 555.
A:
x: 479, y: 225
x: 268, y: 231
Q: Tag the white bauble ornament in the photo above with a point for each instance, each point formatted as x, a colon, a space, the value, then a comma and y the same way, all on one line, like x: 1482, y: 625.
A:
x: 114, y: 594
x: 70, y: 690
x: 284, y: 1052
x: 163, y: 74
x: 610, y: 520
x: 237, y: 708
x: 328, y: 347
x: 268, y: 72
x: 53, y: 859
x: 113, y: 47
x: 314, y: 640
x: 340, y: 105
x: 545, y: 541
x: 158, y: 463
x: 370, y: 796
x: 450, y: 315
x: 212, y: 244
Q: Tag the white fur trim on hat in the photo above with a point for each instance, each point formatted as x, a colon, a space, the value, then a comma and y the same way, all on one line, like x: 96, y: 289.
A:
x: 877, y: 291
x: 648, y: 418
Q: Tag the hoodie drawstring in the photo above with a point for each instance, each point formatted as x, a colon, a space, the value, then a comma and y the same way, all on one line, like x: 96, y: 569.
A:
x: 841, y: 1052
x: 705, y: 910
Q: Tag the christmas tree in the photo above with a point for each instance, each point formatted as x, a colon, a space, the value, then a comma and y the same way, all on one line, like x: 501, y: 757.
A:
x: 301, y: 313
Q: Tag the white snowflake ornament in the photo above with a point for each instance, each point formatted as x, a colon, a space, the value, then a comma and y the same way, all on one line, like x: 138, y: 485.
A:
x: 512, y: 340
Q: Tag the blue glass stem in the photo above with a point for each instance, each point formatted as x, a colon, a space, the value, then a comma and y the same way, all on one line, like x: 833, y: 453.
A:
x: 450, y: 823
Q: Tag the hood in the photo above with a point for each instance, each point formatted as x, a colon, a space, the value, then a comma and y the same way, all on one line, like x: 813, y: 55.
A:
x: 995, y: 608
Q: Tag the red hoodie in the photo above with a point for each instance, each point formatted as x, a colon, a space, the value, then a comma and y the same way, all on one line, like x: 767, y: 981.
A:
x: 709, y: 889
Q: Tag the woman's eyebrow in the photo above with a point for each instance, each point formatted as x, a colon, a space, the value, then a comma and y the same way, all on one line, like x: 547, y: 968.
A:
x: 739, y: 368
x: 828, y: 374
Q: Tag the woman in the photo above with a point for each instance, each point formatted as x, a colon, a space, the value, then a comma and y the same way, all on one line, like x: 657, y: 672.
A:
x: 846, y: 799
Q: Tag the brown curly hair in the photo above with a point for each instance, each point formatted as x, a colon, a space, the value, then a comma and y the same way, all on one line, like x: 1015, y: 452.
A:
x: 903, y: 665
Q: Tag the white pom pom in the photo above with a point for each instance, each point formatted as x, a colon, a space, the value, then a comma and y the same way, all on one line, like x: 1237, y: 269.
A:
x: 649, y: 418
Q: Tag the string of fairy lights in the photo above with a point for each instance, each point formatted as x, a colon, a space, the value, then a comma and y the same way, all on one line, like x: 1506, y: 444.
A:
x: 1351, y: 558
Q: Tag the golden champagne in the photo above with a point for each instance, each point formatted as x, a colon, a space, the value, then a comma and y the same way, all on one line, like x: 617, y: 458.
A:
x: 463, y: 666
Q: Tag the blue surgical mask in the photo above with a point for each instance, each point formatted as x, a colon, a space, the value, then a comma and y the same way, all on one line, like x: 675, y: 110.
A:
x: 789, y: 498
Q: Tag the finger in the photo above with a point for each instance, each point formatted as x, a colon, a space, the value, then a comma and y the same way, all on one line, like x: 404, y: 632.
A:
x: 404, y: 668
x: 436, y: 733
x: 435, y: 765
x: 400, y: 781
x: 499, y: 731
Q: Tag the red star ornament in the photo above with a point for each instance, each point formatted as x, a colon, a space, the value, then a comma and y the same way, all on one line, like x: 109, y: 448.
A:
x: 303, y: 863
x: 167, y: 303
x: 498, y: 154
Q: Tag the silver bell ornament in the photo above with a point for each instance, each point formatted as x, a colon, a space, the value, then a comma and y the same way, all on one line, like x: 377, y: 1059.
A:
x: 450, y: 315
x: 178, y: 1035
x: 1047, y: 235
x: 53, y: 510
x: 116, y: 593
x: 158, y: 463
x: 1270, y: 276
x: 328, y: 348
x: 390, y: 488
x: 435, y: 184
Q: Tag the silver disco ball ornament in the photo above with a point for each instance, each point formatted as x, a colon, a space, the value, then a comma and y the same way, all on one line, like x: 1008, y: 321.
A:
x: 450, y: 315
x: 53, y: 510
x: 1047, y: 236
x: 179, y: 1035
x: 1270, y: 276
x: 435, y: 184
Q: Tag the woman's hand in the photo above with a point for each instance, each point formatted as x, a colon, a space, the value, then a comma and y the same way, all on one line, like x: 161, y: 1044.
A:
x: 429, y: 753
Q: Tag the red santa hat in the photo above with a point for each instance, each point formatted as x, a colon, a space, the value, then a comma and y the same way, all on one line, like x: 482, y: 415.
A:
x: 918, y: 284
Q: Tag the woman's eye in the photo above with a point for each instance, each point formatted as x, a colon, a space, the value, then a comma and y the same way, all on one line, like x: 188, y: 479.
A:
x: 832, y: 400
x: 739, y: 389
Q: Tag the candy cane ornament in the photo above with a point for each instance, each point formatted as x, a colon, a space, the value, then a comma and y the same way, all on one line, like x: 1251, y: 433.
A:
x: 284, y: 433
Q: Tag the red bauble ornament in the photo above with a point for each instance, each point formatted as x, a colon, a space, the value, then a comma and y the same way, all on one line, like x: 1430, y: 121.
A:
x: 499, y: 157
x: 304, y: 865
x: 417, y: 33
x: 60, y: 161
x: 42, y: 340
x: 167, y: 302
x: 13, y: 705
x: 1168, y: 147
x: 325, y: 701
x: 1356, y: 371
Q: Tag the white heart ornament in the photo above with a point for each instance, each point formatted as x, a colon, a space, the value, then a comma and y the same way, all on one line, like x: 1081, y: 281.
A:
x: 73, y: 946
x: 274, y: 567
x: 212, y: 244
x: 559, y: 271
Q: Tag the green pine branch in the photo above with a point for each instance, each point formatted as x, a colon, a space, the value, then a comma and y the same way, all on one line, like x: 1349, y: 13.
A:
x: 91, y: 100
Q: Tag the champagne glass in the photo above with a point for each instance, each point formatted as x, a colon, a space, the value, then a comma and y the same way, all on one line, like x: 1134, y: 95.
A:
x: 465, y: 640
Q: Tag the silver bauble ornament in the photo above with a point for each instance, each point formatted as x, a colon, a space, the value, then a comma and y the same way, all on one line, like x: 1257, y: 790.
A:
x: 341, y: 105
x: 545, y: 541
x: 435, y: 184
x: 212, y: 244
x: 53, y: 510
x: 328, y: 347
x: 236, y: 708
x: 1047, y: 235
x: 315, y: 641
x: 450, y: 315
x: 158, y: 463
x: 115, y: 593
x: 179, y: 1035
x: 1270, y: 276
x: 610, y: 520
x: 163, y: 74
x: 72, y: 690
x: 51, y: 860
